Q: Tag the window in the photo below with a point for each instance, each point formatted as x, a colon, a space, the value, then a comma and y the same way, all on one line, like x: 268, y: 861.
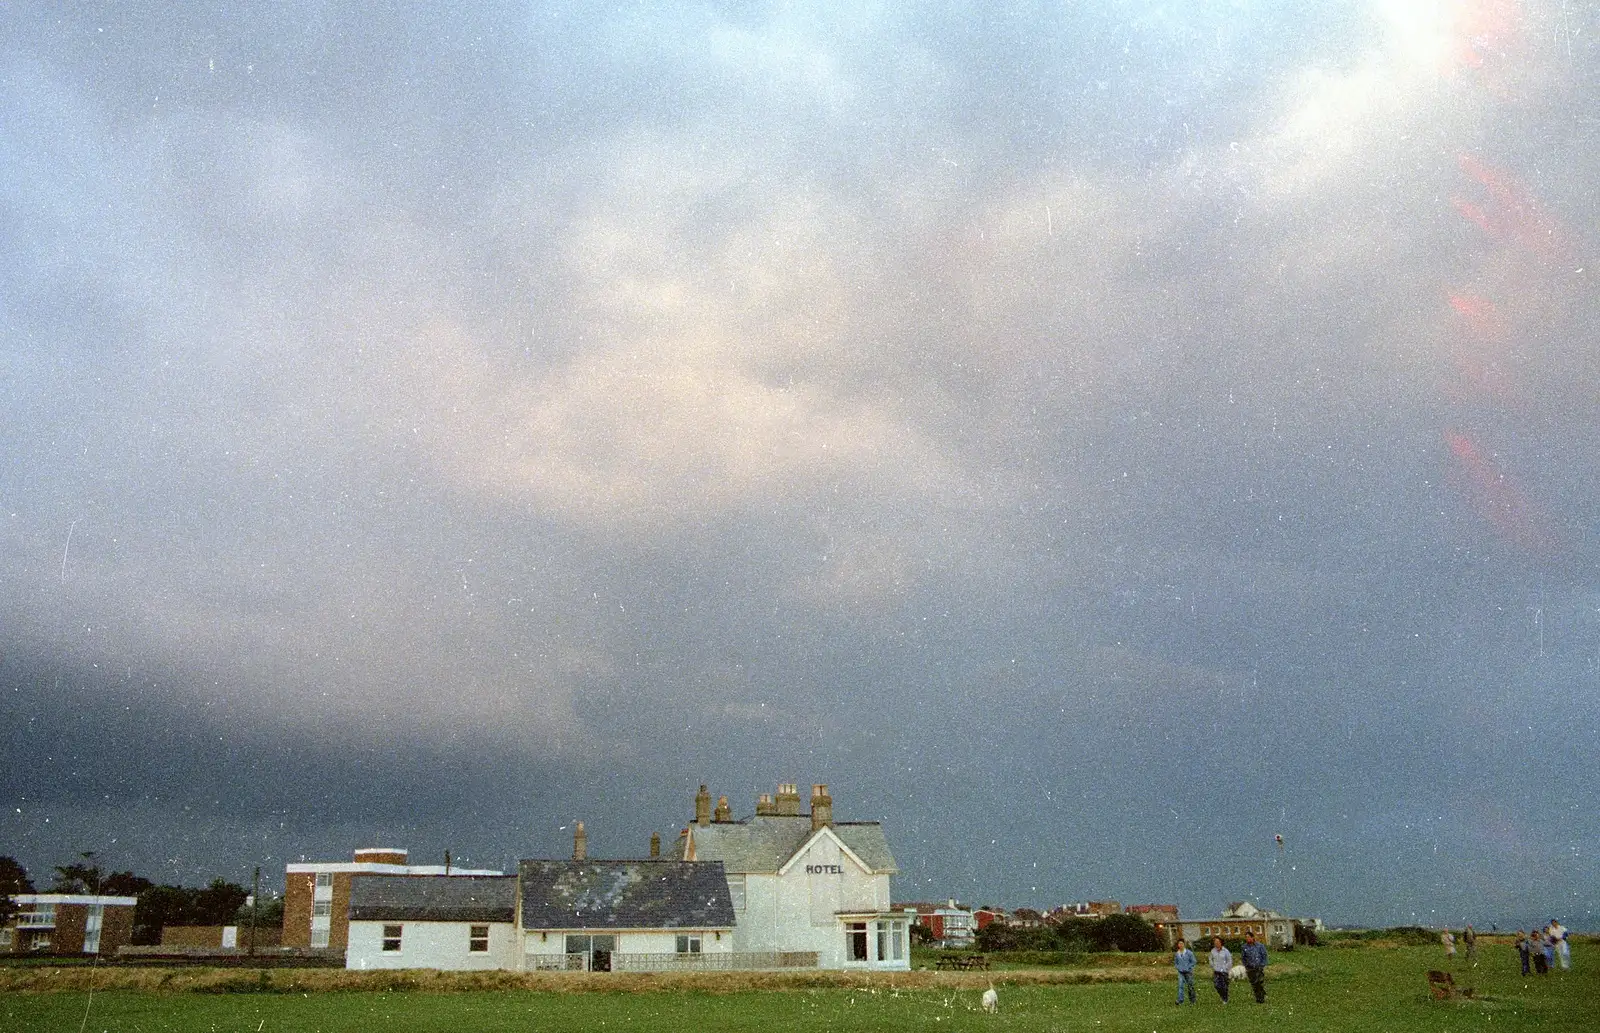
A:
x: 320, y: 908
x: 7, y: 936
x: 478, y: 939
x: 855, y: 940
x: 42, y: 917
x: 897, y: 942
x: 736, y: 891
x: 689, y: 944
x: 883, y: 941
x: 319, y: 936
x: 324, y: 880
x: 391, y: 938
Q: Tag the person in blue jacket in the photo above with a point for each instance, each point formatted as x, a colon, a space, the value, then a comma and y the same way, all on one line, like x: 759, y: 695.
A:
x: 1183, y: 961
x: 1254, y: 957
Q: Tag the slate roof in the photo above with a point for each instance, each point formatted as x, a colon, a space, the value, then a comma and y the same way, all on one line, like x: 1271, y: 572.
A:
x: 433, y: 898
x: 765, y: 842
x: 625, y: 895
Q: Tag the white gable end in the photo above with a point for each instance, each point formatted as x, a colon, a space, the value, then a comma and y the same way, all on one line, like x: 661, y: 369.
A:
x: 825, y: 848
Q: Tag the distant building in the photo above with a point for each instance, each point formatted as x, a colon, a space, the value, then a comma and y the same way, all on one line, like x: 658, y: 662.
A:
x: 1155, y: 914
x: 68, y: 923
x: 1026, y: 918
x: 983, y: 916
x: 1238, y: 918
x: 316, y: 896
x: 1087, y: 909
x: 951, y: 924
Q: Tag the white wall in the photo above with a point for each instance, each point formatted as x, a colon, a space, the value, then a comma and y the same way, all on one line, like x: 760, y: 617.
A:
x: 548, y: 942
x: 441, y: 945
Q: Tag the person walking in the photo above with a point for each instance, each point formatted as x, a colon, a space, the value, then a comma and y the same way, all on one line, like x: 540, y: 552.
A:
x: 1183, y: 961
x: 1448, y: 938
x: 1558, y: 932
x: 1550, y: 946
x: 1541, y: 963
x: 1254, y: 956
x: 1221, y: 965
x: 1470, y: 938
x: 1523, y: 950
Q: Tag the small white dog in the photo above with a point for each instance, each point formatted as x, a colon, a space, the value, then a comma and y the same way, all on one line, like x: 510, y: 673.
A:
x: 991, y: 1001
x: 1237, y: 973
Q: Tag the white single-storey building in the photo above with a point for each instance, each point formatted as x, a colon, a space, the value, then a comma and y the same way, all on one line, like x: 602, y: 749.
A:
x: 626, y: 916
x: 433, y: 921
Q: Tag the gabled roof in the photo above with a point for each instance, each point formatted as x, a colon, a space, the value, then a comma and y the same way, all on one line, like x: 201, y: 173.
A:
x: 433, y: 898
x: 765, y: 843
x: 625, y: 895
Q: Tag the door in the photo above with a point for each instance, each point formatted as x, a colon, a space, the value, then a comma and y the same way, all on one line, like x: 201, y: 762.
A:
x: 600, y: 959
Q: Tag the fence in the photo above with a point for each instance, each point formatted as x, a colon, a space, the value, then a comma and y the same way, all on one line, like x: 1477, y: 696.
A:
x: 731, y: 961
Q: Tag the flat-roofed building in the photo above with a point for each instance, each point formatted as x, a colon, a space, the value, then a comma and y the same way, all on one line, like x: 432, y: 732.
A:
x: 316, y: 894
x: 68, y: 923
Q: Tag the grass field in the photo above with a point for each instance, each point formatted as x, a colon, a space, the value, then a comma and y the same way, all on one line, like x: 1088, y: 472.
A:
x: 1372, y: 988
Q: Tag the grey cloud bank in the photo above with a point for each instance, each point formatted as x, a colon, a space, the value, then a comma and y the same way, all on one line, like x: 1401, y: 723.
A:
x: 1093, y: 441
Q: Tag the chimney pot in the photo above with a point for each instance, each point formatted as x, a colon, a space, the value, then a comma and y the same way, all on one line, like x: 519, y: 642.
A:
x: 821, y: 807
x: 722, y: 813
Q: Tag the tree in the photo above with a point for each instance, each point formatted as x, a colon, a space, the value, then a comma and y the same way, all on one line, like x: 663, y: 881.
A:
x: 1128, y: 933
x: 158, y: 907
x: 269, y: 914
x: 83, y: 877
x: 124, y: 884
x: 13, y: 879
x: 161, y: 906
x: 921, y: 934
x: 218, y: 903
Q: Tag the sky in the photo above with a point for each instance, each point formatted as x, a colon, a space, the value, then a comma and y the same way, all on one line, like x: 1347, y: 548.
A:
x: 1093, y: 438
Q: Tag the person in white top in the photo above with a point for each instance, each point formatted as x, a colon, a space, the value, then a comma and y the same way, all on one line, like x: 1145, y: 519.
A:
x: 1221, y: 965
x: 1558, y: 936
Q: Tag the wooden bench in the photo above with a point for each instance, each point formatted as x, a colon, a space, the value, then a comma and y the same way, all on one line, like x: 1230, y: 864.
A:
x: 963, y: 962
x: 1443, y: 986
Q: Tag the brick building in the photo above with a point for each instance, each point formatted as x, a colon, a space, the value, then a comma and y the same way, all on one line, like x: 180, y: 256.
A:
x: 951, y: 924
x: 68, y: 923
x: 316, y: 897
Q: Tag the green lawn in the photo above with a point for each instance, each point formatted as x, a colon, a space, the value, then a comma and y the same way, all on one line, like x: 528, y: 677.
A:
x: 1373, y: 989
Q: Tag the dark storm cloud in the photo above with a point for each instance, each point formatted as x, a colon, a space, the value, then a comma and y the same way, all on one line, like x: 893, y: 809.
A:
x: 1092, y: 438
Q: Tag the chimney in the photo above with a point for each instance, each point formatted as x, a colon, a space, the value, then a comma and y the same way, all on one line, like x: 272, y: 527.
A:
x: 580, y: 843
x: 722, y: 813
x: 787, y: 803
x: 821, y: 807
x: 764, y: 805
x: 447, y: 862
x: 702, y: 806
x: 655, y: 845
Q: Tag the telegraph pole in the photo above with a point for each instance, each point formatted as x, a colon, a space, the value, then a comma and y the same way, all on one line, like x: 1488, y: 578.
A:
x: 255, y: 909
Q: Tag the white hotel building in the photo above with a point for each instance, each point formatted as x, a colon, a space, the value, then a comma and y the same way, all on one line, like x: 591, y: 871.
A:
x: 803, y: 882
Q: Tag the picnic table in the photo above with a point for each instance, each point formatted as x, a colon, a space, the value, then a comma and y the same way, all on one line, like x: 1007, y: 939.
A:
x: 963, y: 962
